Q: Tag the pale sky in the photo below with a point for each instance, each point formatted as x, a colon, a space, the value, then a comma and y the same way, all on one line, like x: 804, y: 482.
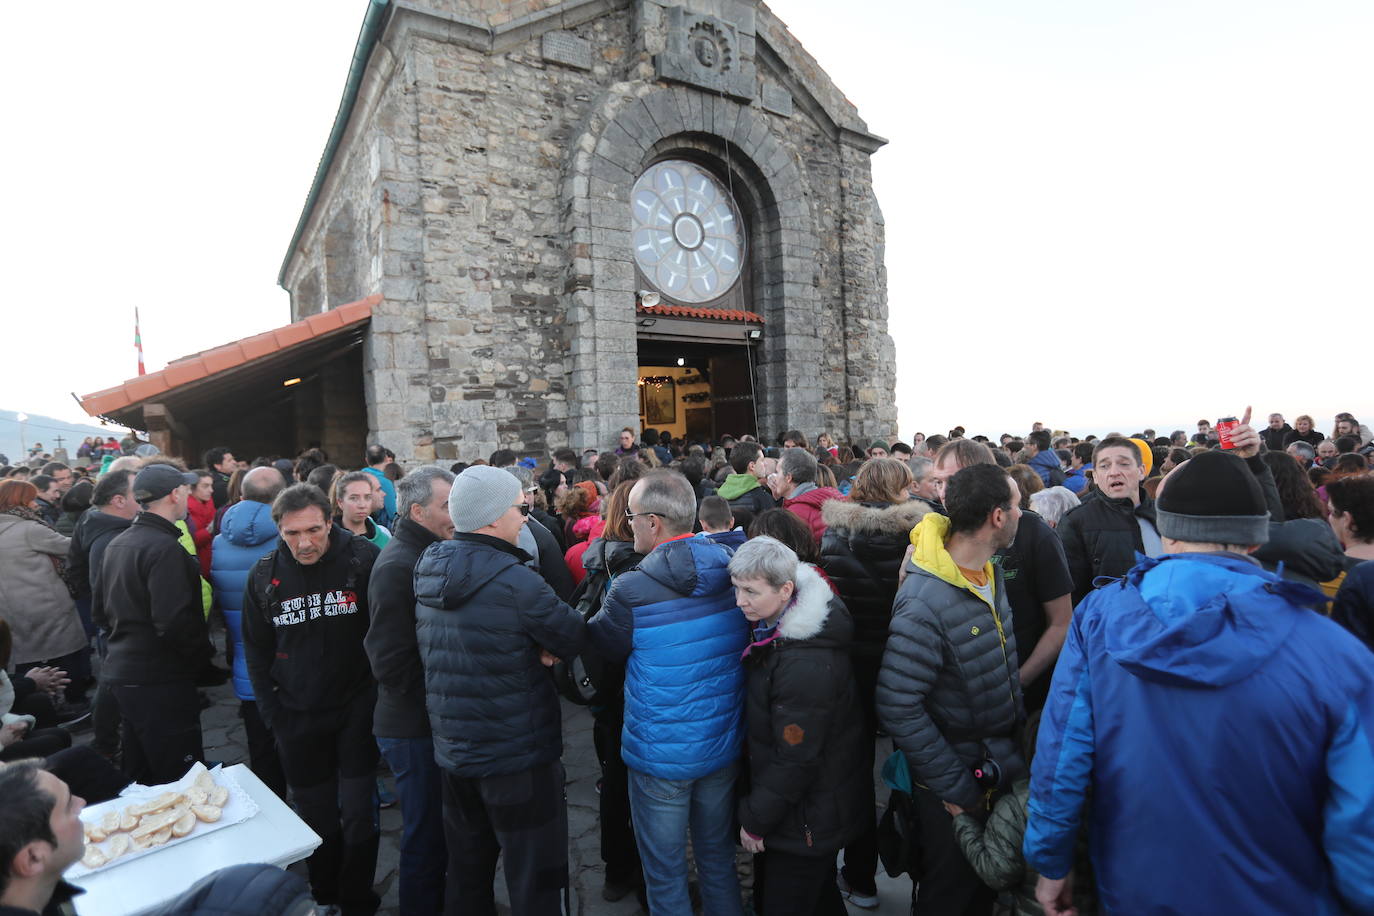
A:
x: 1099, y: 215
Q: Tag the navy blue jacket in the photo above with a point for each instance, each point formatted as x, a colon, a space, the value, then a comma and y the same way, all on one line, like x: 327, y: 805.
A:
x: 1354, y: 605
x: 1225, y: 731
x: 246, y: 534
x: 675, y: 619
x: 481, y: 618
x: 731, y: 539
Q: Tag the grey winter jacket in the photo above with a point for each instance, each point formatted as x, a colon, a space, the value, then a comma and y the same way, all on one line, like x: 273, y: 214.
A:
x: 948, y: 691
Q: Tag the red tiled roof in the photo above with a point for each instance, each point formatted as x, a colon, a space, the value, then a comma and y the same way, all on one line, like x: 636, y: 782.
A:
x: 684, y: 311
x: 211, y: 362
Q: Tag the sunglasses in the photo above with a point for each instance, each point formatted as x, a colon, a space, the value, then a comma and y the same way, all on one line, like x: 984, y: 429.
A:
x: 524, y: 509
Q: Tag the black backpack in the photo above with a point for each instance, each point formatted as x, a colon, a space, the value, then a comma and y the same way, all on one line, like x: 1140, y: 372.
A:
x: 580, y: 678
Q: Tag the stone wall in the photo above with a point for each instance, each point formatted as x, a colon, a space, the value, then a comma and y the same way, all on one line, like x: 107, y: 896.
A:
x: 483, y: 189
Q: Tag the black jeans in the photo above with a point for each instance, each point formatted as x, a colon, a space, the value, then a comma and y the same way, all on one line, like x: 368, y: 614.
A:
x: 330, y: 761
x: 947, y: 885
x: 263, y: 758
x: 161, y: 730
x: 861, y: 856
x: 524, y: 818
x: 791, y: 885
x: 618, y: 849
x: 38, y: 743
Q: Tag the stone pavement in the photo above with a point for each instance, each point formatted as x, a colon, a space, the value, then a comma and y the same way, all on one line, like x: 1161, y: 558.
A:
x: 225, y: 743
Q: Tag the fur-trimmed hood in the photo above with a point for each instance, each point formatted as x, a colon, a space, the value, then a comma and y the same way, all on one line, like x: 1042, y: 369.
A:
x: 895, y: 519
x: 817, y: 614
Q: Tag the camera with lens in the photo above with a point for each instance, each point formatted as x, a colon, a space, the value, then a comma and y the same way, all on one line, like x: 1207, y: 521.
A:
x: 988, y: 775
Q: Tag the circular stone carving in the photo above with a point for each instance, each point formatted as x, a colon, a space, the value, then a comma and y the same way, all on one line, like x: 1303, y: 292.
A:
x: 688, y: 237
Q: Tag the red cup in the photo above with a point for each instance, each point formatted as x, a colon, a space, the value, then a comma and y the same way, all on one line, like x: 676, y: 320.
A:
x: 1223, y: 428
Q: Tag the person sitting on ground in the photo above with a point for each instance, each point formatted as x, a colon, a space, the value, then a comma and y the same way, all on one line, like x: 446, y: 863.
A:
x: 351, y: 496
x: 808, y: 787
x: 718, y: 524
x: 28, y: 721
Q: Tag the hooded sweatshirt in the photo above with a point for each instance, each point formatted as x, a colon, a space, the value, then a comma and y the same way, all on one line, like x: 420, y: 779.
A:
x: 1224, y: 729
x: 246, y: 532
x: 303, y: 629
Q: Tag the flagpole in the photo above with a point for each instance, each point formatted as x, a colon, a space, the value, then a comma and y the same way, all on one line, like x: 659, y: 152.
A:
x: 138, y: 343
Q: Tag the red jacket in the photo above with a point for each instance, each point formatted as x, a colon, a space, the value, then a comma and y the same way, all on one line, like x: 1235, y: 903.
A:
x: 202, y: 517
x: 807, y: 507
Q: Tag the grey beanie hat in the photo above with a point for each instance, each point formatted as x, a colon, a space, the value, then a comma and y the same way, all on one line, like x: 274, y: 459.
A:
x: 1213, y: 498
x: 481, y: 495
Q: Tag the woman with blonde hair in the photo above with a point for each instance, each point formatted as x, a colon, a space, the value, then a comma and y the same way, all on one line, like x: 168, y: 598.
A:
x: 865, y: 539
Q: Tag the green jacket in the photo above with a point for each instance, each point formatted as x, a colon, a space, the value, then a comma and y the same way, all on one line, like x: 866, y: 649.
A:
x: 736, y: 485
x: 994, y: 851
x: 207, y: 594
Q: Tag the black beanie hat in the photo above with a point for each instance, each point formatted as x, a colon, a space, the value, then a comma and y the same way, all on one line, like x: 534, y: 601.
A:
x: 1213, y: 499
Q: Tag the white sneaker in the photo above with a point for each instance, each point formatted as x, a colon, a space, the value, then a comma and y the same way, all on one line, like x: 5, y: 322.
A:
x: 862, y: 901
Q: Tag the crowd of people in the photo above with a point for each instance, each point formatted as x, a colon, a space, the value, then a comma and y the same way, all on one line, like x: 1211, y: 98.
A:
x: 1119, y: 674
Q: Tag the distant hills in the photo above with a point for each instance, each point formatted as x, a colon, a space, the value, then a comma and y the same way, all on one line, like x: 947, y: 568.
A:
x: 38, y: 428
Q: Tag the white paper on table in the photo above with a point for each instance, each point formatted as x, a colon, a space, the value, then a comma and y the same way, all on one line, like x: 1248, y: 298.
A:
x: 239, y: 808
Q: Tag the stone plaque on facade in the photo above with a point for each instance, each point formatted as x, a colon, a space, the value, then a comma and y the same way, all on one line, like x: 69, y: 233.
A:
x: 777, y: 100
x: 567, y: 49
x: 704, y: 51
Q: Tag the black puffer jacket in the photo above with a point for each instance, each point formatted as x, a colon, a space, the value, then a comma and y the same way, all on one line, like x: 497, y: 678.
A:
x: 807, y: 778
x: 948, y: 692
x: 481, y: 617
x: 1307, y: 548
x: 1101, y: 538
x: 861, y: 552
x: 303, y: 630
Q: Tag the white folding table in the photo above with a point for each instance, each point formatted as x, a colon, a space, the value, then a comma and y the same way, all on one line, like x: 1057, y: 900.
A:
x: 275, y: 835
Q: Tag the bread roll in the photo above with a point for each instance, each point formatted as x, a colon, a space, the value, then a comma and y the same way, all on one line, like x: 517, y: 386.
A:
x: 93, y: 857
x: 153, y: 805
x: 197, y: 795
x: 184, y: 824
x: 207, y: 813
x: 94, y: 833
x: 127, y: 820
x: 162, y: 836
x: 218, y: 796
x: 119, y: 844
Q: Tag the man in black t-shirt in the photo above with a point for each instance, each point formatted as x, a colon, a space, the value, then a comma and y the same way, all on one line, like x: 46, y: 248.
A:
x: 1036, y: 574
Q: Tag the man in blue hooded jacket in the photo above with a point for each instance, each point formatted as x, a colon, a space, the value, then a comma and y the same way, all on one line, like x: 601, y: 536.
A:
x: 674, y: 621
x: 246, y: 533
x: 1223, y: 726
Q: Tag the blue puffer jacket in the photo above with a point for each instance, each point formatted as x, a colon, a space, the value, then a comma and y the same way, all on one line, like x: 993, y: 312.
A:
x: 246, y: 533
x: 1227, y: 732
x: 674, y: 618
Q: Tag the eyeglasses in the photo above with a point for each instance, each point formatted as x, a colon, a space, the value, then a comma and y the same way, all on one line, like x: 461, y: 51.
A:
x: 634, y: 515
x: 524, y: 509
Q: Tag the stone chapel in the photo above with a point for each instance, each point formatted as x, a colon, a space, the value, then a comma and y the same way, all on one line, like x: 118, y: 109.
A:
x: 567, y: 218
